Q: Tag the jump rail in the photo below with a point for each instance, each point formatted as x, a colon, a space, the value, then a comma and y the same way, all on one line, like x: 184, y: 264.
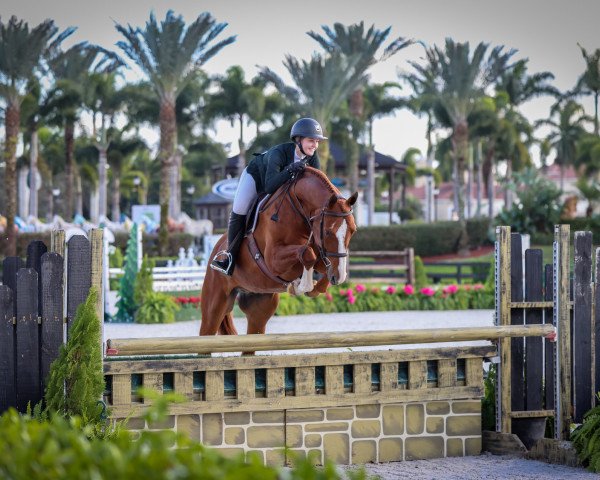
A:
x: 203, y: 345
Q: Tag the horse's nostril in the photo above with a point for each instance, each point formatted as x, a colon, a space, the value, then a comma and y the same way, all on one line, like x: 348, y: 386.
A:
x: 333, y: 281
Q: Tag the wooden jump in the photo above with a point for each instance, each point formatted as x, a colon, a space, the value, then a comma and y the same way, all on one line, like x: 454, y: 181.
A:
x: 239, y: 343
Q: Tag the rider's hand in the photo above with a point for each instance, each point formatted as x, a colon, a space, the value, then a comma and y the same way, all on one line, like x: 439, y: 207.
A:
x: 296, y: 167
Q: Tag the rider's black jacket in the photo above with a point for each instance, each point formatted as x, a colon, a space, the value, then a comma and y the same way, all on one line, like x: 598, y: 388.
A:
x: 269, y: 169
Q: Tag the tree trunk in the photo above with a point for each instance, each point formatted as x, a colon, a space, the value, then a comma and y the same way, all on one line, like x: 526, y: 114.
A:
x: 69, y: 162
x: 460, y: 140
x: 102, y: 161
x: 488, y: 177
x: 78, y: 195
x: 479, y: 178
x: 115, y: 198
x: 175, y: 186
x: 33, y: 173
x: 12, y: 120
x: 242, y: 146
x: 508, y: 194
x: 353, y: 159
x: 371, y: 185
x: 168, y: 140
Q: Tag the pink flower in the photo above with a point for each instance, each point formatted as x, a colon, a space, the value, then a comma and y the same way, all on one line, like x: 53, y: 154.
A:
x: 351, y: 299
x: 350, y: 292
x: 428, y: 291
x: 342, y: 291
x: 391, y: 290
x: 360, y: 288
x: 408, y: 289
x: 329, y: 297
x: 449, y: 289
x: 477, y: 286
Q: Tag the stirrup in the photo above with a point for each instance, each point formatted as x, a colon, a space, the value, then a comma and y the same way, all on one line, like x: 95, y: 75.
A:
x: 228, y: 257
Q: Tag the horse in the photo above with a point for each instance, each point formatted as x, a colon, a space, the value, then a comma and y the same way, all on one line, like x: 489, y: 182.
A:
x: 305, y: 226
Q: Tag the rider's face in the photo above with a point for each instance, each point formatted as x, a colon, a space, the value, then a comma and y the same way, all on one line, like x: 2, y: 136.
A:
x: 309, y: 145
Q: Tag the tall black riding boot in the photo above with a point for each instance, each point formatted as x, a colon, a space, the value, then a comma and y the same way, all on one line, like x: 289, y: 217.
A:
x: 224, y: 261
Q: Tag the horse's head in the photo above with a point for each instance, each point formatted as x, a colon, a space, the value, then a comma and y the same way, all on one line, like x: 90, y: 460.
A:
x: 332, y: 227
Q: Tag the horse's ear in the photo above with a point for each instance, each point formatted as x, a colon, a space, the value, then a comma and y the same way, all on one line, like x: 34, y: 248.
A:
x: 332, y: 201
x: 352, y: 200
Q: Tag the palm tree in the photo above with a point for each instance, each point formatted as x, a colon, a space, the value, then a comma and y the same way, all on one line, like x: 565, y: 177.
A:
x: 21, y: 53
x: 71, y: 70
x: 104, y: 100
x: 237, y: 101
x: 354, y: 41
x: 170, y: 54
x: 463, y: 77
x: 568, y: 130
x: 589, y: 82
x: 322, y: 85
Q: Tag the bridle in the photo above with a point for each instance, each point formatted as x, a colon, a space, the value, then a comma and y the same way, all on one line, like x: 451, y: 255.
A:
x: 324, y: 254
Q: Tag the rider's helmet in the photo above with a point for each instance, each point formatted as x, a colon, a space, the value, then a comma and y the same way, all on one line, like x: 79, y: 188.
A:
x: 307, y: 127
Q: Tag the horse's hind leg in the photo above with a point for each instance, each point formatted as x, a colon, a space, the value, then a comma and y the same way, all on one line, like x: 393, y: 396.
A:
x: 217, y: 303
x: 259, y: 308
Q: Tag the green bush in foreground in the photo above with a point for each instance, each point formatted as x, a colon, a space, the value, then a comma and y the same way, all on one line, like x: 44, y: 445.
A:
x: 586, y: 439
x: 60, y: 448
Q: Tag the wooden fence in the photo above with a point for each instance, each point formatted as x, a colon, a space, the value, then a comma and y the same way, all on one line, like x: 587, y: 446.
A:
x: 542, y: 379
x: 38, y: 302
x: 384, y: 266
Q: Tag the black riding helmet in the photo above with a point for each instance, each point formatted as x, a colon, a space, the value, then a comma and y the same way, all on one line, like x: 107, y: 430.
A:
x: 306, y: 127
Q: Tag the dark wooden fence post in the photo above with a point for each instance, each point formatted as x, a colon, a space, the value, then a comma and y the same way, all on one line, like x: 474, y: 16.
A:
x: 8, y: 392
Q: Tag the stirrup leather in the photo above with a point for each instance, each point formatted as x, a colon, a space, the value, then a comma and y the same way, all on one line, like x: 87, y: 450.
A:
x: 228, y: 257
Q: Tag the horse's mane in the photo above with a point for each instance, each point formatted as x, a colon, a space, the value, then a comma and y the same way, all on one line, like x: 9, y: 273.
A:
x: 323, y: 178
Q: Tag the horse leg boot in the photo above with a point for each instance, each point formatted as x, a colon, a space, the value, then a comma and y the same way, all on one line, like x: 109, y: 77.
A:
x: 235, y: 235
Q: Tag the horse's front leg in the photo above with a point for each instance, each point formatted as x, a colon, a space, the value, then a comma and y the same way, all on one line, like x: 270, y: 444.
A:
x: 289, y: 256
x: 320, y: 287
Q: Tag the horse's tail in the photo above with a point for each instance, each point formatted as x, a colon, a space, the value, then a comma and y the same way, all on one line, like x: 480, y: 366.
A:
x: 227, y: 327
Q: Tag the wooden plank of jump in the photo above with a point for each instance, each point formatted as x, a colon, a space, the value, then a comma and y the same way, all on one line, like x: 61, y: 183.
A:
x: 534, y: 292
x: 294, y: 341
x: 29, y: 387
x: 8, y: 380
x: 517, y: 345
x: 583, y: 395
x: 78, y: 275
x: 549, y: 347
x: 563, y: 351
x: 503, y: 288
x: 51, y: 310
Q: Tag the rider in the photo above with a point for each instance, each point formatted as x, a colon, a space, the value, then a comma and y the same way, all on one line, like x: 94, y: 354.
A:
x: 266, y: 172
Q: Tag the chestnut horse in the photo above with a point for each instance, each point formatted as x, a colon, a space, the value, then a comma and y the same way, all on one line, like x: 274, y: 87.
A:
x: 304, y: 226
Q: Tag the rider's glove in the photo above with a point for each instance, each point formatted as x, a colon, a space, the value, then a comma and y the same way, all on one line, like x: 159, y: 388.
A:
x: 296, y: 167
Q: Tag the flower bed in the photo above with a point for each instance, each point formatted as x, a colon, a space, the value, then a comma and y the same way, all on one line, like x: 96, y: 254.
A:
x: 190, y: 308
x: 360, y: 298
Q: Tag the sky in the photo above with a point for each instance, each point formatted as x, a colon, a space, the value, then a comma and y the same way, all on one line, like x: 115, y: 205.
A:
x: 544, y: 31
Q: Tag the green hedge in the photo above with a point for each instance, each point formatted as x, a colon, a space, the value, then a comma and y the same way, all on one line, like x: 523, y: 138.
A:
x: 427, y: 239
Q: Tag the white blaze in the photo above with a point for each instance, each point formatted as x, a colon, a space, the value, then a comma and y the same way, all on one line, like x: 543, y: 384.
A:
x: 341, y: 236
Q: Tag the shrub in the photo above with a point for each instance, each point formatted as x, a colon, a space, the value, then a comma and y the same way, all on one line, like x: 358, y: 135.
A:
x: 537, y: 209
x: 59, y: 448
x: 427, y: 239
x: 360, y: 298
x: 143, y: 281
x: 76, y: 379
x: 586, y: 439
x: 420, y: 273
x: 157, y: 308
x: 176, y: 240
